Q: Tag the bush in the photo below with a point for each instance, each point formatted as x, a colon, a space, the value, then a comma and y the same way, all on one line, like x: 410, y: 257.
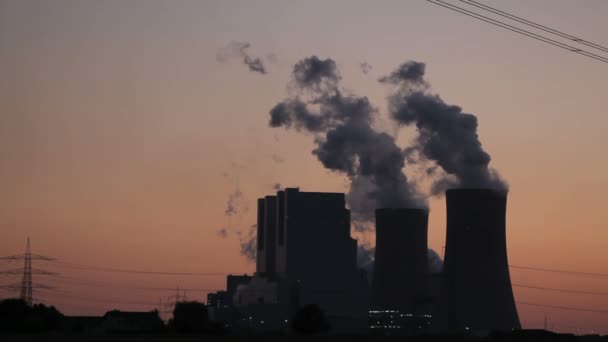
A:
x: 189, y: 317
x: 17, y: 316
x: 309, y: 320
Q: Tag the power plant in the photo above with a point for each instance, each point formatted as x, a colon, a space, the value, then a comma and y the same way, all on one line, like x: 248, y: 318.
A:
x: 476, y: 291
x: 306, y: 255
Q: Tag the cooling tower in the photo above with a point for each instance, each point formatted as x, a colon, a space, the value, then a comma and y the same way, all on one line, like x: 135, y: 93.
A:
x: 476, y: 293
x: 400, y: 267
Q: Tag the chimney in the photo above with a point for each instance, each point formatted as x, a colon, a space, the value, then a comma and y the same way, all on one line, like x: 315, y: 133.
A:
x: 476, y: 293
x: 400, y: 268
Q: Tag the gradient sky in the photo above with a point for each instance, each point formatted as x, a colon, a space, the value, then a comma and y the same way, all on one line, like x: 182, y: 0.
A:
x: 121, y: 135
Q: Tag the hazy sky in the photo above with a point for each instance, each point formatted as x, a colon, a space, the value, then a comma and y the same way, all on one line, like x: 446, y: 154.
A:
x: 122, y: 136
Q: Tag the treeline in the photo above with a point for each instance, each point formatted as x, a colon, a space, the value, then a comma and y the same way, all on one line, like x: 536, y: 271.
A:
x: 17, y: 316
x: 188, y: 318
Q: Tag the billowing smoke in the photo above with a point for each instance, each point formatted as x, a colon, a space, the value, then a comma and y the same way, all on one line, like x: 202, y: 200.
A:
x: 345, y: 140
x: 240, y: 50
x: 446, y: 135
x: 365, y: 259
x: 435, y: 262
x: 247, y: 242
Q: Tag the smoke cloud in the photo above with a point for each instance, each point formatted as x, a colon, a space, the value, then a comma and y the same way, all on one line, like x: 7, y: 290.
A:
x: 222, y: 232
x: 247, y: 242
x: 366, y: 253
x: 236, y: 204
x: 435, y: 262
x: 277, y: 158
x: 240, y: 50
x: 346, y: 142
x: 446, y: 135
x: 365, y: 258
x: 365, y: 67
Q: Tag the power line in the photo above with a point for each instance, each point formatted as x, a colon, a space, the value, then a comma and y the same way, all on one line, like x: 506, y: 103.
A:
x: 564, y: 307
x: 27, y: 285
x: 561, y: 290
x: 534, y: 24
x: 134, y: 271
x: 70, y: 280
x: 518, y: 30
x: 560, y: 271
x: 99, y: 300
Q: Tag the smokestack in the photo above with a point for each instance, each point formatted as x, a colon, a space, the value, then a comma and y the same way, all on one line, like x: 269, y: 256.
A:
x: 400, y: 269
x: 476, y: 291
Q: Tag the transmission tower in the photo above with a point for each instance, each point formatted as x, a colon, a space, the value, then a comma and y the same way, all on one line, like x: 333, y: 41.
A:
x: 172, y: 301
x: 26, y: 281
x: 26, y: 287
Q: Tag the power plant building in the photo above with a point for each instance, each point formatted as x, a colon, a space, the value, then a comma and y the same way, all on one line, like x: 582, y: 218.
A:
x: 304, y: 245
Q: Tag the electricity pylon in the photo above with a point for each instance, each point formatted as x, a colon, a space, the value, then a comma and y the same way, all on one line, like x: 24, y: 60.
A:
x: 26, y: 287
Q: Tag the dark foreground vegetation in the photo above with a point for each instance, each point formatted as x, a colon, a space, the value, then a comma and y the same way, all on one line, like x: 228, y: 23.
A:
x: 21, y: 322
x: 280, y: 338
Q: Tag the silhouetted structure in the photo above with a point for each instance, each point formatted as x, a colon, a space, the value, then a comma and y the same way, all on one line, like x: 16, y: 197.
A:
x: 233, y: 282
x: 400, y: 277
x: 305, y: 256
x: 218, y: 300
x: 116, y: 321
x: 401, y: 266
x: 26, y: 286
x: 26, y: 281
x: 317, y: 258
x: 266, y: 247
x: 221, y: 304
x: 476, y: 291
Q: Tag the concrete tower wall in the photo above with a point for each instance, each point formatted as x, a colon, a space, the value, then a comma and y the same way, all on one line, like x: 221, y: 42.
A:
x: 400, y: 270
x: 281, y: 240
x: 260, y: 250
x: 270, y: 214
x: 476, y: 291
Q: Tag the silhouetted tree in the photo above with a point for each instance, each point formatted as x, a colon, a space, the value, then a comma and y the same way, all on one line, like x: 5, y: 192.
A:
x: 13, y: 313
x: 17, y: 316
x: 189, y: 317
x: 309, y: 320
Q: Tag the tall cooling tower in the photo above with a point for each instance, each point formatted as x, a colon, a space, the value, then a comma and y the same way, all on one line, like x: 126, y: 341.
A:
x: 400, y: 268
x: 476, y: 293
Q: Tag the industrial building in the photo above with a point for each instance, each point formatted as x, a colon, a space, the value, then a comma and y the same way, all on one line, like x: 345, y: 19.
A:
x: 306, y: 255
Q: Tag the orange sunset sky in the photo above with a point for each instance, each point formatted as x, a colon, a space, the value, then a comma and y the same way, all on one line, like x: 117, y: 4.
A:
x: 122, y: 136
